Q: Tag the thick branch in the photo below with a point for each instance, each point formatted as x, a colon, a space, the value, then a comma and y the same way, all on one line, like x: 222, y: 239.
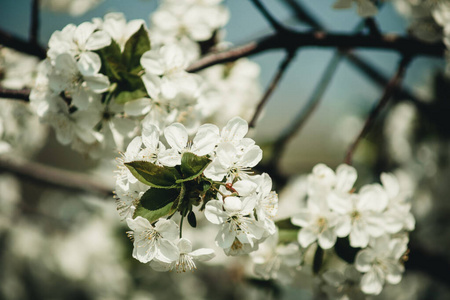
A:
x: 52, y: 176
x: 23, y: 94
x: 387, y: 94
x: 281, y: 69
x: 21, y: 45
x: 292, y: 40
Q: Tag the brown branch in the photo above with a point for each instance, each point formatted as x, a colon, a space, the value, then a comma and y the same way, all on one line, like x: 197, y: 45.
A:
x: 23, y: 94
x: 305, y: 16
x: 34, y: 26
x: 290, y: 39
x: 51, y: 176
x: 21, y: 45
x: 388, y: 92
x: 273, y: 22
x: 273, y: 84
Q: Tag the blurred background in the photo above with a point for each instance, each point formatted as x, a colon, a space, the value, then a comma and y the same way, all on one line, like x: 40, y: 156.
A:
x: 60, y: 245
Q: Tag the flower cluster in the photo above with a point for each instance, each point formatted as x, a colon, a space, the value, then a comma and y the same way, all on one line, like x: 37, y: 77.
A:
x: 213, y: 172
x: 102, y: 78
x: 368, y: 228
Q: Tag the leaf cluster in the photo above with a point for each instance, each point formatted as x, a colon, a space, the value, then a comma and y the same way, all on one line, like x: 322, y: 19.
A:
x: 172, y: 189
x: 124, y: 68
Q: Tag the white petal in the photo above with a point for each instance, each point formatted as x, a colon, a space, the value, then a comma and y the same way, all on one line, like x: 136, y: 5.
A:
x: 167, y: 228
x: 214, y: 212
x: 251, y: 157
x: 215, y: 170
x: 327, y: 238
x: 184, y: 245
x: 151, y: 62
x: 302, y: 218
x: 372, y: 282
x: 225, y: 237
x: 137, y: 107
x: 206, y: 139
x: 306, y: 237
x: 345, y: 177
x: 372, y: 197
x: 170, y: 158
x: 89, y: 63
x: 167, y: 251
x: 391, y: 185
x: 98, y: 40
x: 177, y: 136
x: 235, y: 130
x: 364, y: 260
x: 203, y: 254
x: 232, y: 204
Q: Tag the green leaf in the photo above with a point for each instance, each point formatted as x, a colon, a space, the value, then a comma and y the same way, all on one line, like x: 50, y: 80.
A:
x: 112, y: 64
x: 158, y: 203
x: 125, y: 96
x: 192, y: 166
x: 192, y: 219
x: 136, y: 45
x: 154, y: 175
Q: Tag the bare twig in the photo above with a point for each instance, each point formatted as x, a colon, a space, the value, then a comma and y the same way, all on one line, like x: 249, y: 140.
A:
x: 34, y: 26
x: 22, y: 94
x: 372, y: 26
x: 388, y: 92
x: 51, y: 176
x: 305, y: 16
x: 280, y: 144
x: 273, y: 84
x: 21, y: 45
x: 273, y: 22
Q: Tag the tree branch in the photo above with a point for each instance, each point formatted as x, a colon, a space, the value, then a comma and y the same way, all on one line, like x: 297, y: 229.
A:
x: 34, y: 27
x: 51, y: 176
x: 305, y: 16
x: 273, y: 22
x: 388, y: 92
x: 23, y: 94
x: 281, y: 69
x: 21, y: 45
x: 290, y: 39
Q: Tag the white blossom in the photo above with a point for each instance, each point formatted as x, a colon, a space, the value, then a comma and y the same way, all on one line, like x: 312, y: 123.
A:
x: 380, y: 263
x: 154, y: 242
x: 186, y: 260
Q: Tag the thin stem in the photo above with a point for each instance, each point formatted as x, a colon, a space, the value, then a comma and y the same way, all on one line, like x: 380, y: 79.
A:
x: 34, y: 28
x: 51, y: 176
x: 21, y: 45
x: 303, y: 15
x: 273, y: 84
x: 265, y: 12
x: 22, y: 94
x: 181, y: 226
x: 281, y: 143
x: 388, y: 92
